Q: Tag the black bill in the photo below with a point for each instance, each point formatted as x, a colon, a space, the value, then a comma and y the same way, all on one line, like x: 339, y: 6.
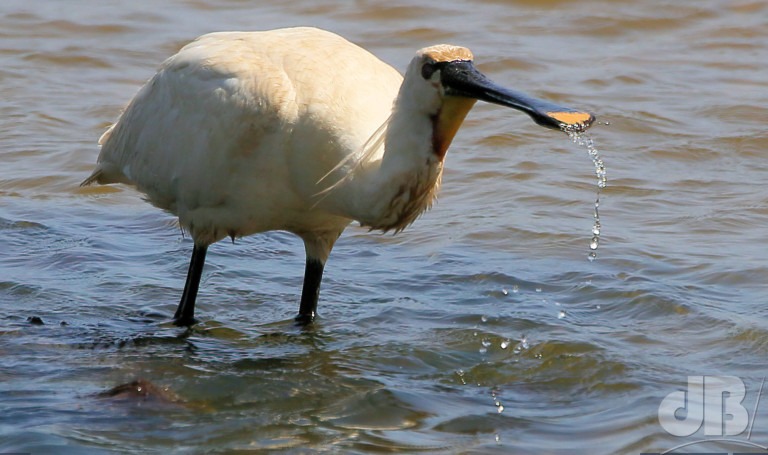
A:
x: 461, y: 78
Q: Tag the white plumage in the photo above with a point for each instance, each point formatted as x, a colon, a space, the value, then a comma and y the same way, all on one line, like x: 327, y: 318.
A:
x: 297, y: 130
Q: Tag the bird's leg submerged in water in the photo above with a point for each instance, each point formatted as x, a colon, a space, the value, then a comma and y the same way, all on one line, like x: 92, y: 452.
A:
x: 318, y: 248
x: 313, y: 275
x: 185, y: 313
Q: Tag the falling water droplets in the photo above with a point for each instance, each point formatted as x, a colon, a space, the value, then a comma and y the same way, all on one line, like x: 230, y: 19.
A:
x: 497, y: 402
x: 485, y: 344
x: 460, y: 373
x: 522, y: 345
x: 581, y: 138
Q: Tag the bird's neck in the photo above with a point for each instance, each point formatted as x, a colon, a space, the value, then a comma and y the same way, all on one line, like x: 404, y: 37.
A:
x: 391, y: 192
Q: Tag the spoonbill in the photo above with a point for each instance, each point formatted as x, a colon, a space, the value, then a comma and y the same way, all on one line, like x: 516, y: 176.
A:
x: 297, y: 130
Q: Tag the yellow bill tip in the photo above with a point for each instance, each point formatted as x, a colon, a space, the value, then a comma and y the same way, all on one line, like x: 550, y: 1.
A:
x: 572, y: 118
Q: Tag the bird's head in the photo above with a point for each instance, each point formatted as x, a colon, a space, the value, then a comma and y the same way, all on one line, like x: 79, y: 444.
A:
x: 446, y: 85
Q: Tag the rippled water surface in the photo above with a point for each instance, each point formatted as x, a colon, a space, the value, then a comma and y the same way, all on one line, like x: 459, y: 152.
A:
x: 483, y: 328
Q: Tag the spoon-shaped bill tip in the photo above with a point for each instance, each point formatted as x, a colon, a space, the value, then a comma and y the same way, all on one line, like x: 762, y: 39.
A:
x: 572, y: 120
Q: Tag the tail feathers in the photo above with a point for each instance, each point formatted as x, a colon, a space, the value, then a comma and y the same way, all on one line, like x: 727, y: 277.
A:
x: 105, y: 137
x: 106, y: 173
x: 94, y: 178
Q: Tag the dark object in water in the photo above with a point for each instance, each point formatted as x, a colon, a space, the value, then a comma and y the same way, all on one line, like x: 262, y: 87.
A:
x: 35, y: 320
x: 141, y: 390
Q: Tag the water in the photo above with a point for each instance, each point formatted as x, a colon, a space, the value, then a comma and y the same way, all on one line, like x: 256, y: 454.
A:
x: 394, y: 362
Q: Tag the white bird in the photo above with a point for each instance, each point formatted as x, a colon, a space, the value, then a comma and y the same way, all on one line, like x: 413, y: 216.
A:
x: 296, y: 130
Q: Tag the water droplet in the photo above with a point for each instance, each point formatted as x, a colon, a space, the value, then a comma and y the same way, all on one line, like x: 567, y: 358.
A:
x: 504, y: 344
x: 581, y: 138
x: 521, y: 345
x: 561, y: 315
x: 515, y: 289
x: 538, y: 289
x: 486, y: 342
x: 505, y: 292
x: 484, y: 318
x: 482, y: 350
x: 497, y: 439
x: 500, y: 408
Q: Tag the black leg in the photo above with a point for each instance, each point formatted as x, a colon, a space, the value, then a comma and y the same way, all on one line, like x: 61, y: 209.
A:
x: 313, y: 274
x: 185, y: 313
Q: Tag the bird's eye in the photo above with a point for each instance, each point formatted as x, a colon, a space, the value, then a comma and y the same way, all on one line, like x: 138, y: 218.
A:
x: 428, y: 70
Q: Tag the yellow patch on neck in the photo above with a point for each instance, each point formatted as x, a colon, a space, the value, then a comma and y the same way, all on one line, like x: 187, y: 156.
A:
x: 447, y: 122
